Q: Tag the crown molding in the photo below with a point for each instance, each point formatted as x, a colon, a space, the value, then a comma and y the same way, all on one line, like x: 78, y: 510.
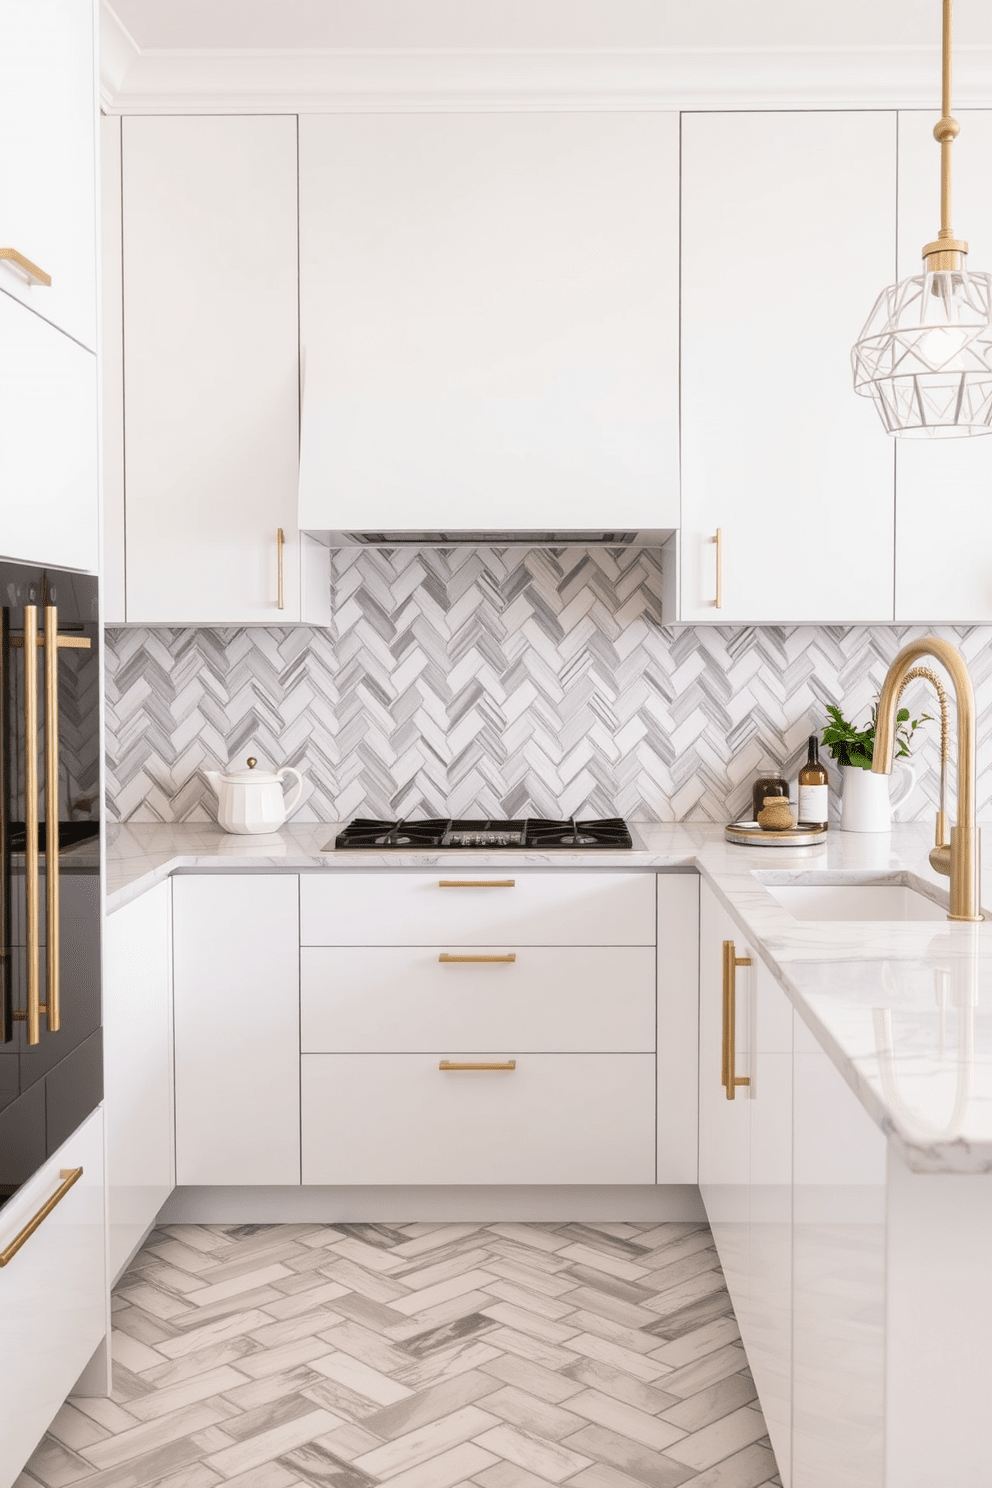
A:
x: 196, y: 82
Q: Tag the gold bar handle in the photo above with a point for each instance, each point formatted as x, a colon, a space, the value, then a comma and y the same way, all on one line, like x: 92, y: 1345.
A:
x: 69, y: 1176
x: 729, y: 1078
x: 280, y: 544
x: 31, y: 867
x: 476, y: 883
x: 445, y: 960
x: 53, y: 1016
x: 30, y: 270
x: 447, y: 1065
x: 718, y: 603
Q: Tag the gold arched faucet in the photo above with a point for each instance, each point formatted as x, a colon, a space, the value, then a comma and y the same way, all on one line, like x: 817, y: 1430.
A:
x: 926, y: 675
x: 960, y: 861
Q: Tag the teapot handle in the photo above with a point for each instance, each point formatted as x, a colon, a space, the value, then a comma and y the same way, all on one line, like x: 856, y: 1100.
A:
x: 294, y: 794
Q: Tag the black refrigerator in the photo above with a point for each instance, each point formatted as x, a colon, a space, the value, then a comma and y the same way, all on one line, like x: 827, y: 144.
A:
x: 51, y: 1051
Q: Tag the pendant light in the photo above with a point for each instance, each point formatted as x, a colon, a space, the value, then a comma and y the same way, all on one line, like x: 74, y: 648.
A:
x: 925, y: 354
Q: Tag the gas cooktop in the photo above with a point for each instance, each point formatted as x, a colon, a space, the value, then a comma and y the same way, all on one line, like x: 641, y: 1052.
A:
x: 486, y: 834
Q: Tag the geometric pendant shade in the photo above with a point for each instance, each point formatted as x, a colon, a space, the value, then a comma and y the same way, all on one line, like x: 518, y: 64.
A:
x: 925, y: 355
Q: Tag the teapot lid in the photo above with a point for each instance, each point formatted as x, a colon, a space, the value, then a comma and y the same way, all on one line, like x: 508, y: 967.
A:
x: 255, y: 777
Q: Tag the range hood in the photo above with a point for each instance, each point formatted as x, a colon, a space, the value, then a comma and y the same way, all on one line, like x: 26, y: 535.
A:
x: 547, y: 467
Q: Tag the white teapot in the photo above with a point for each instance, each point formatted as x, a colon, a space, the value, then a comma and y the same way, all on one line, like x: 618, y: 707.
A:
x: 251, y: 801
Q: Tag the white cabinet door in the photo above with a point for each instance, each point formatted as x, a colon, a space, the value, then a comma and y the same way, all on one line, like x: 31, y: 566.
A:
x: 138, y: 1081
x: 48, y: 443
x: 768, y: 1338
x: 839, y: 1283
x: 237, y: 1017
x: 788, y: 224
x: 48, y: 118
x: 211, y: 368
x: 943, y: 572
x: 678, y: 1027
x: 489, y: 321
x: 724, y: 1124
x: 53, y: 1293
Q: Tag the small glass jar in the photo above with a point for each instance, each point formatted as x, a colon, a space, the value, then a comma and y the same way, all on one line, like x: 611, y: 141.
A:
x: 768, y: 785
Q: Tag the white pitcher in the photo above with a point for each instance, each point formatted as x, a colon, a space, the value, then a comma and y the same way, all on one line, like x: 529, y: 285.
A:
x: 251, y: 801
x: 867, y: 804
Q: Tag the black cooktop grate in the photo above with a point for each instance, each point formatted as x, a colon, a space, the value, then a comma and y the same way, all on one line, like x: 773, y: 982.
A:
x: 484, y: 833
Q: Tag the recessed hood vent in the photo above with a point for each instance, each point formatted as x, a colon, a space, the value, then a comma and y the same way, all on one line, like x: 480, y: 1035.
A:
x: 577, y: 537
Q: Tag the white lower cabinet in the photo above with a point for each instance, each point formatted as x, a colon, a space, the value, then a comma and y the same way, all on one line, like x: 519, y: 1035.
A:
x: 138, y: 1075
x: 554, y: 1118
x: 745, y: 1154
x: 53, y: 1293
x: 236, y: 990
x: 839, y: 1282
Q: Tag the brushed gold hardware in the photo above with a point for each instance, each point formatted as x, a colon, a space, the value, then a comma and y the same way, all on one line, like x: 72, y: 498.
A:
x: 30, y: 270
x: 31, y: 868
x: 476, y: 883
x: 445, y: 960
x: 941, y: 845
x: 945, y: 253
x: 730, y: 1079
x: 961, y: 861
x: 66, y: 643
x: 69, y: 1176
x: 447, y: 1065
x: 718, y: 603
x: 280, y: 541
x: 53, y: 1015
x: 252, y: 762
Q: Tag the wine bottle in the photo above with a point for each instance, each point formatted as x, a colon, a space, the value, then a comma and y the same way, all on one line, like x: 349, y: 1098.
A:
x: 813, y: 780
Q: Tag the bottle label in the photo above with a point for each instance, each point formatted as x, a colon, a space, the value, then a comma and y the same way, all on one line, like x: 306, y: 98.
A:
x: 812, y: 804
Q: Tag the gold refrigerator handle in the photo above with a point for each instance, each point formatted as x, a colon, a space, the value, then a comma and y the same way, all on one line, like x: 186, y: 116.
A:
x: 729, y: 1078
x: 31, y: 820
x: 53, y: 1016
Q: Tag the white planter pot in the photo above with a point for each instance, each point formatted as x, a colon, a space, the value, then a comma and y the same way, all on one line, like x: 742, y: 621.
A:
x: 867, y: 803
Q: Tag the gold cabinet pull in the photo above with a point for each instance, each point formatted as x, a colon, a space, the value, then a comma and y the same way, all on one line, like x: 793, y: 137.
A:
x: 477, y: 883
x: 449, y: 1064
x: 69, y: 1176
x: 280, y: 545
x: 53, y: 1016
x: 31, y: 820
x: 718, y: 604
x: 729, y: 1078
x: 30, y: 270
x: 445, y: 960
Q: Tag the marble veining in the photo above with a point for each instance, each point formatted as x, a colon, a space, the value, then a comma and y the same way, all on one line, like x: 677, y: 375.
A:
x: 904, y: 1010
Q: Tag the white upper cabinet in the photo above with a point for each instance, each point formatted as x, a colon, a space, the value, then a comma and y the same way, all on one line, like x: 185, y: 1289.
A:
x: 788, y: 231
x: 489, y: 322
x: 47, y: 158
x: 211, y: 371
x: 943, y: 571
x: 48, y: 443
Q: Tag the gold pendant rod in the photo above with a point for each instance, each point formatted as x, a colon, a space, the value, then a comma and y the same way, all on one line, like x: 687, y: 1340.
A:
x: 946, y: 252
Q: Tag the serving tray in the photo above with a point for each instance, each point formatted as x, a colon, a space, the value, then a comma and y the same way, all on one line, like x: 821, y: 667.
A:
x: 749, y: 834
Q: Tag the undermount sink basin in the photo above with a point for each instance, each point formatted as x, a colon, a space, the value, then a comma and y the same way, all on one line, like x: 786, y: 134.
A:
x: 865, y: 901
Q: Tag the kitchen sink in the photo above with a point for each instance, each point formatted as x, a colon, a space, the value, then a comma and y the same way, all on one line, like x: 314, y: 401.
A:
x: 847, y: 901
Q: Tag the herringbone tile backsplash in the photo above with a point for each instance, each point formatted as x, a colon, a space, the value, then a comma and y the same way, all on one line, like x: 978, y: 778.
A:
x: 501, y: 681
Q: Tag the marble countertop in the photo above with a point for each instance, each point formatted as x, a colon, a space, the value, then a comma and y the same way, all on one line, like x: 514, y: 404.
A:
x: 904, y: 1010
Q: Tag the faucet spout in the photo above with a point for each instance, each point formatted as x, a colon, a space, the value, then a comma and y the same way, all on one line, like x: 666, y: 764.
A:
x: 962, y: 862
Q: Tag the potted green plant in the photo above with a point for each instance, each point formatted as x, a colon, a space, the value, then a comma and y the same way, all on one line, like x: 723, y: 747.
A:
x: 867, y: 806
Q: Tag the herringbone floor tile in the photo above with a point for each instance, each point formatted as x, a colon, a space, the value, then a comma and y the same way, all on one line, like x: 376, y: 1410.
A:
x: 419, y: 1356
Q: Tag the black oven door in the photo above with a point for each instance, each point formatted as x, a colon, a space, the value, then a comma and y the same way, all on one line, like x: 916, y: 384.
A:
x: 51, y: 1059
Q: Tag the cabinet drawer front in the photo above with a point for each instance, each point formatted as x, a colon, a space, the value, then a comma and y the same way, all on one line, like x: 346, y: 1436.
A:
x: 556, y: 1118
x: 52, y: 1294
x: 566, y: 908
x: 597, y: 998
